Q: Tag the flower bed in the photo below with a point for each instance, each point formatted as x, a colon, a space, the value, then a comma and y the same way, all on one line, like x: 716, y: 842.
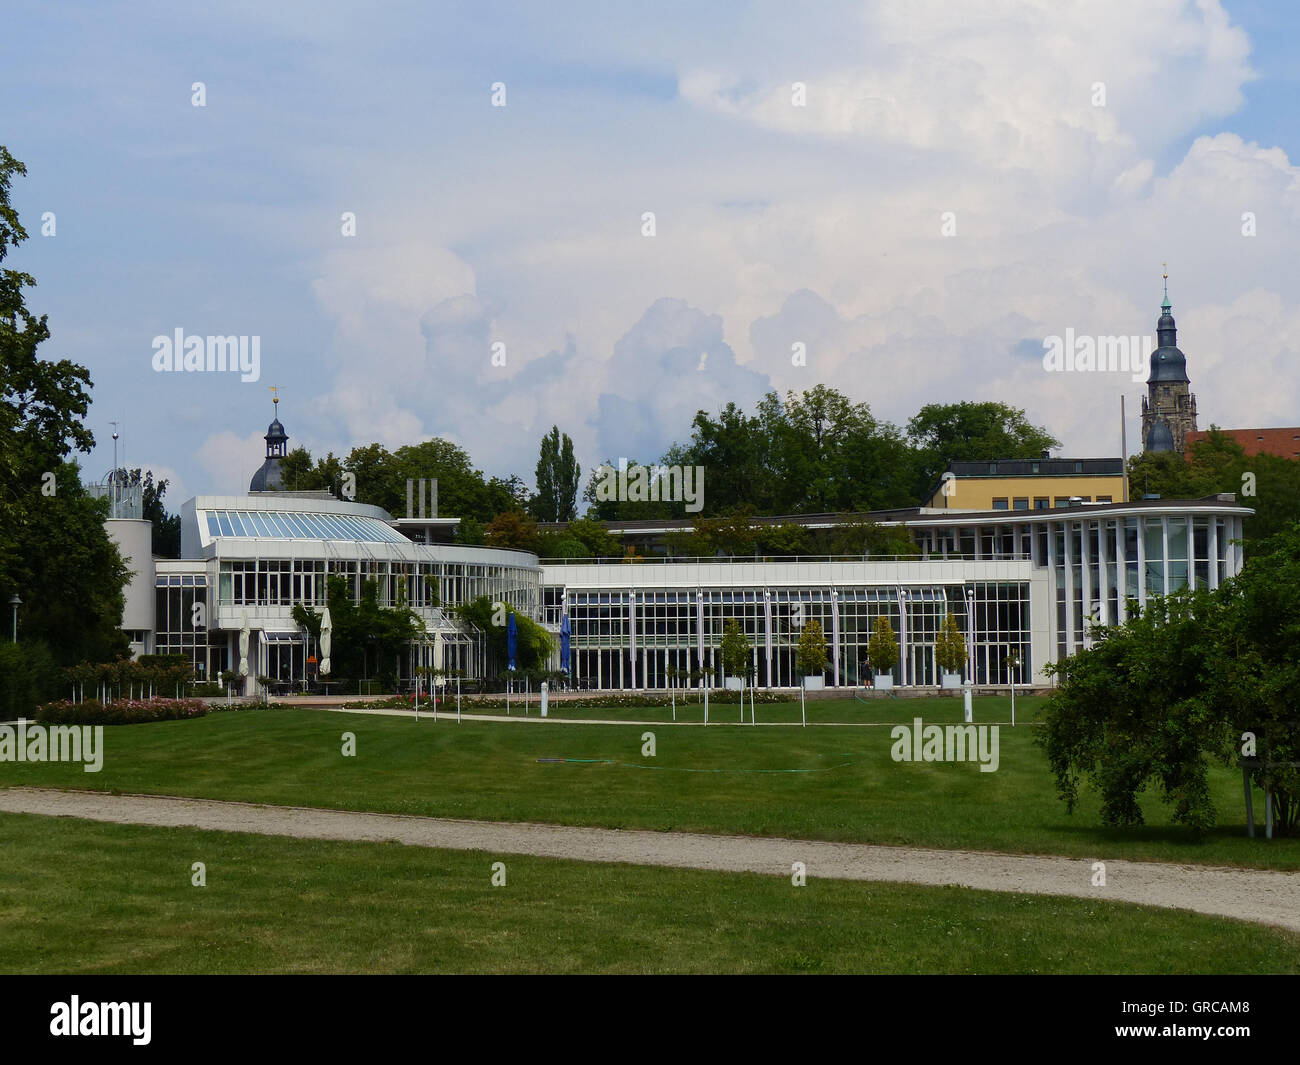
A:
x: 119, y: 712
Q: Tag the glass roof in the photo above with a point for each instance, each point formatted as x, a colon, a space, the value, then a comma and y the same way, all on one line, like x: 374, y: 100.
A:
x: 280, y: 525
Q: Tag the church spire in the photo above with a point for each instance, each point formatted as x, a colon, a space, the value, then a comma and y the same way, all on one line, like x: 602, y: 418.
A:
x: 1165, y: 306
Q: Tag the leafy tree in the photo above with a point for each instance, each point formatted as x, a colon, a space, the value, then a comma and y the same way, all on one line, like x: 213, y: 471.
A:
x: 1135, y: 708
x: 735, y: 650
x: 558, y: 477
x: 595, y: 538
x: 810, y: 656
x: 513, y: 528
x: 882, y: 647
x: 533, y: 644
x: 54, y: 551
x: 950, y: 432
x: 950, y: 645
x: 368, y: 639
x: 166, y: 527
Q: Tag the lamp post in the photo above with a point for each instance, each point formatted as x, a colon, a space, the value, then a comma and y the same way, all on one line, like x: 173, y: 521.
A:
x: 15, y: 603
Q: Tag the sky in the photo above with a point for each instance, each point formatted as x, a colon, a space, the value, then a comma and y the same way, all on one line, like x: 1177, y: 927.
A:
x: 918, y: 192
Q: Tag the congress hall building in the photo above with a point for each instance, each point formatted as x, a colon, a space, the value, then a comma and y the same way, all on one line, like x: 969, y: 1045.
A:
x: 1036, y: 553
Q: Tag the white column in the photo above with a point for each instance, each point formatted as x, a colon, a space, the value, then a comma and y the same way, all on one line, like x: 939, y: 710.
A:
x: 1121, y: 571
x: 767, y: 632
x: 1142, y: 561
x: 699, y: 631
x: 631, y: 632
x: 902, y: 635
x: 1068, y: 570
x: 835, y: 638
x: 1212, y: 549
x: 1085, y: 575
x: 1164, y: 546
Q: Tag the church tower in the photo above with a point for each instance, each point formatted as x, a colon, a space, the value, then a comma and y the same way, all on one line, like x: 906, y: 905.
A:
x: 1169, y: 407
x: 269, y: 477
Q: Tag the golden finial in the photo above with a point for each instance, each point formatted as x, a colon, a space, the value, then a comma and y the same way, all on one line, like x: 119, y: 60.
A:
x: 275, y: 393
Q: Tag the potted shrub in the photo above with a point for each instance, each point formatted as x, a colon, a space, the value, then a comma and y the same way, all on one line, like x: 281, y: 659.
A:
x: 882, y: 654
x: 735, y: 656
x: 811, y: 656
x: 950, y: 651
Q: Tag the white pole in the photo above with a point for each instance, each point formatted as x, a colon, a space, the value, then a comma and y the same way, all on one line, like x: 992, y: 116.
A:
x: 706, y: 706
x: 803, y: 711
x: 1013, y: 696
x: 417, y: 698
x: 674, y: 690
x: 458, y: 698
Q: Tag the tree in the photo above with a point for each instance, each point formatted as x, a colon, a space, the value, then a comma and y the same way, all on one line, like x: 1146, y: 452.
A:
x: 735, y: 650
x: 882, y: 647
x: 810, y: 656
x: 513, y: 528
x: 950, y: 645
x: 533, y: 644
x: 558, y: 477
x: 1135, y: 708
x: 368, y: 639
x: 54, y: 551
x: 950, y: 432
x: 166, y: 527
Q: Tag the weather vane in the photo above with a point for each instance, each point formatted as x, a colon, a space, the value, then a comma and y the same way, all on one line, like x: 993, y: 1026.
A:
x: 275, y: 394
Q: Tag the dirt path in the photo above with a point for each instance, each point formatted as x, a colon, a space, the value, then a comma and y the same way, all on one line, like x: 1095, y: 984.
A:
x: 1252, y: 895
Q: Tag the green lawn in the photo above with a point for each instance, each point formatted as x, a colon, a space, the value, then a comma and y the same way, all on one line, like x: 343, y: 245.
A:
x: 82, y: 897
x: 816, y: 783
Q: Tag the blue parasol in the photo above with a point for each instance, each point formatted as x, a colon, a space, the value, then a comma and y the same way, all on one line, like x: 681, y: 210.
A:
x: 564, y: 643
x: 512, y: 638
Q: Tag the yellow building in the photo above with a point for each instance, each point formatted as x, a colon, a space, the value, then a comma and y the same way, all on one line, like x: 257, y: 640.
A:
x: 1028, y: 484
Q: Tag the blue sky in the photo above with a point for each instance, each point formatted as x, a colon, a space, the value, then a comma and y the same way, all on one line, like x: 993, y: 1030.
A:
x: 521, y: 225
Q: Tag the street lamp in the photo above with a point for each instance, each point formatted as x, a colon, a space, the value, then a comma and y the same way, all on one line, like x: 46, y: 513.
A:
x: 15, y: 603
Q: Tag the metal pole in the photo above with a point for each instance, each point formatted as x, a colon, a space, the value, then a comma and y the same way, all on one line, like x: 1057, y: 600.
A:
x: 458, y: 698
x: 803, y: 712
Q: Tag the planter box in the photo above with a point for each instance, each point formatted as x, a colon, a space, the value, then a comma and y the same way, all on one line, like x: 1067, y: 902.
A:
x: 884, y: 682
x: 951, y: 680
x: 814, y: 684
x: 734, y: 684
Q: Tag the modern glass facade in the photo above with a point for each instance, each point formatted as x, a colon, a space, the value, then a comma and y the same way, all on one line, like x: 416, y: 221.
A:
x: 1025, y: 586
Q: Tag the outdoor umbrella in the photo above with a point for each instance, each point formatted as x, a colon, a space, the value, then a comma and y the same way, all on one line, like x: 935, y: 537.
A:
x: 243, y: 646
x: 512, y: 639
x: 564, y: 643
x: 326, y: 642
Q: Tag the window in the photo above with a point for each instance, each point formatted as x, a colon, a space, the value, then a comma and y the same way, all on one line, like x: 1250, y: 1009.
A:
x: 993, y: 467
x: 1041, y: 503
x: 1020, y: 503
x: 1033, y: 467
x: 1104, y: 499
x: 1062, y: 501
x: 1078, y: 467
x: 1000, y: 503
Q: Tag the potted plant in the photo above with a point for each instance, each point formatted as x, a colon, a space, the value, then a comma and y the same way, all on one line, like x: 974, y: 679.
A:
x: 950, y: 651
x: 810, y: 656
x: 882, y: 654
x: 735, y: 656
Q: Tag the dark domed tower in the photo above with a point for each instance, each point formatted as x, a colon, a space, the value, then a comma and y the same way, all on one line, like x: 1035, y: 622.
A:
x: 1169, y: 407
x: 269, y: 477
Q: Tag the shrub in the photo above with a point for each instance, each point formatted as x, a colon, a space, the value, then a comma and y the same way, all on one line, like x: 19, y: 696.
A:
x: 120, y: 712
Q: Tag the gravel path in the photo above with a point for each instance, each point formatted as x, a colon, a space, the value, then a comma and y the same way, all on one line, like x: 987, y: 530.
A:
x: 1254, y: 895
